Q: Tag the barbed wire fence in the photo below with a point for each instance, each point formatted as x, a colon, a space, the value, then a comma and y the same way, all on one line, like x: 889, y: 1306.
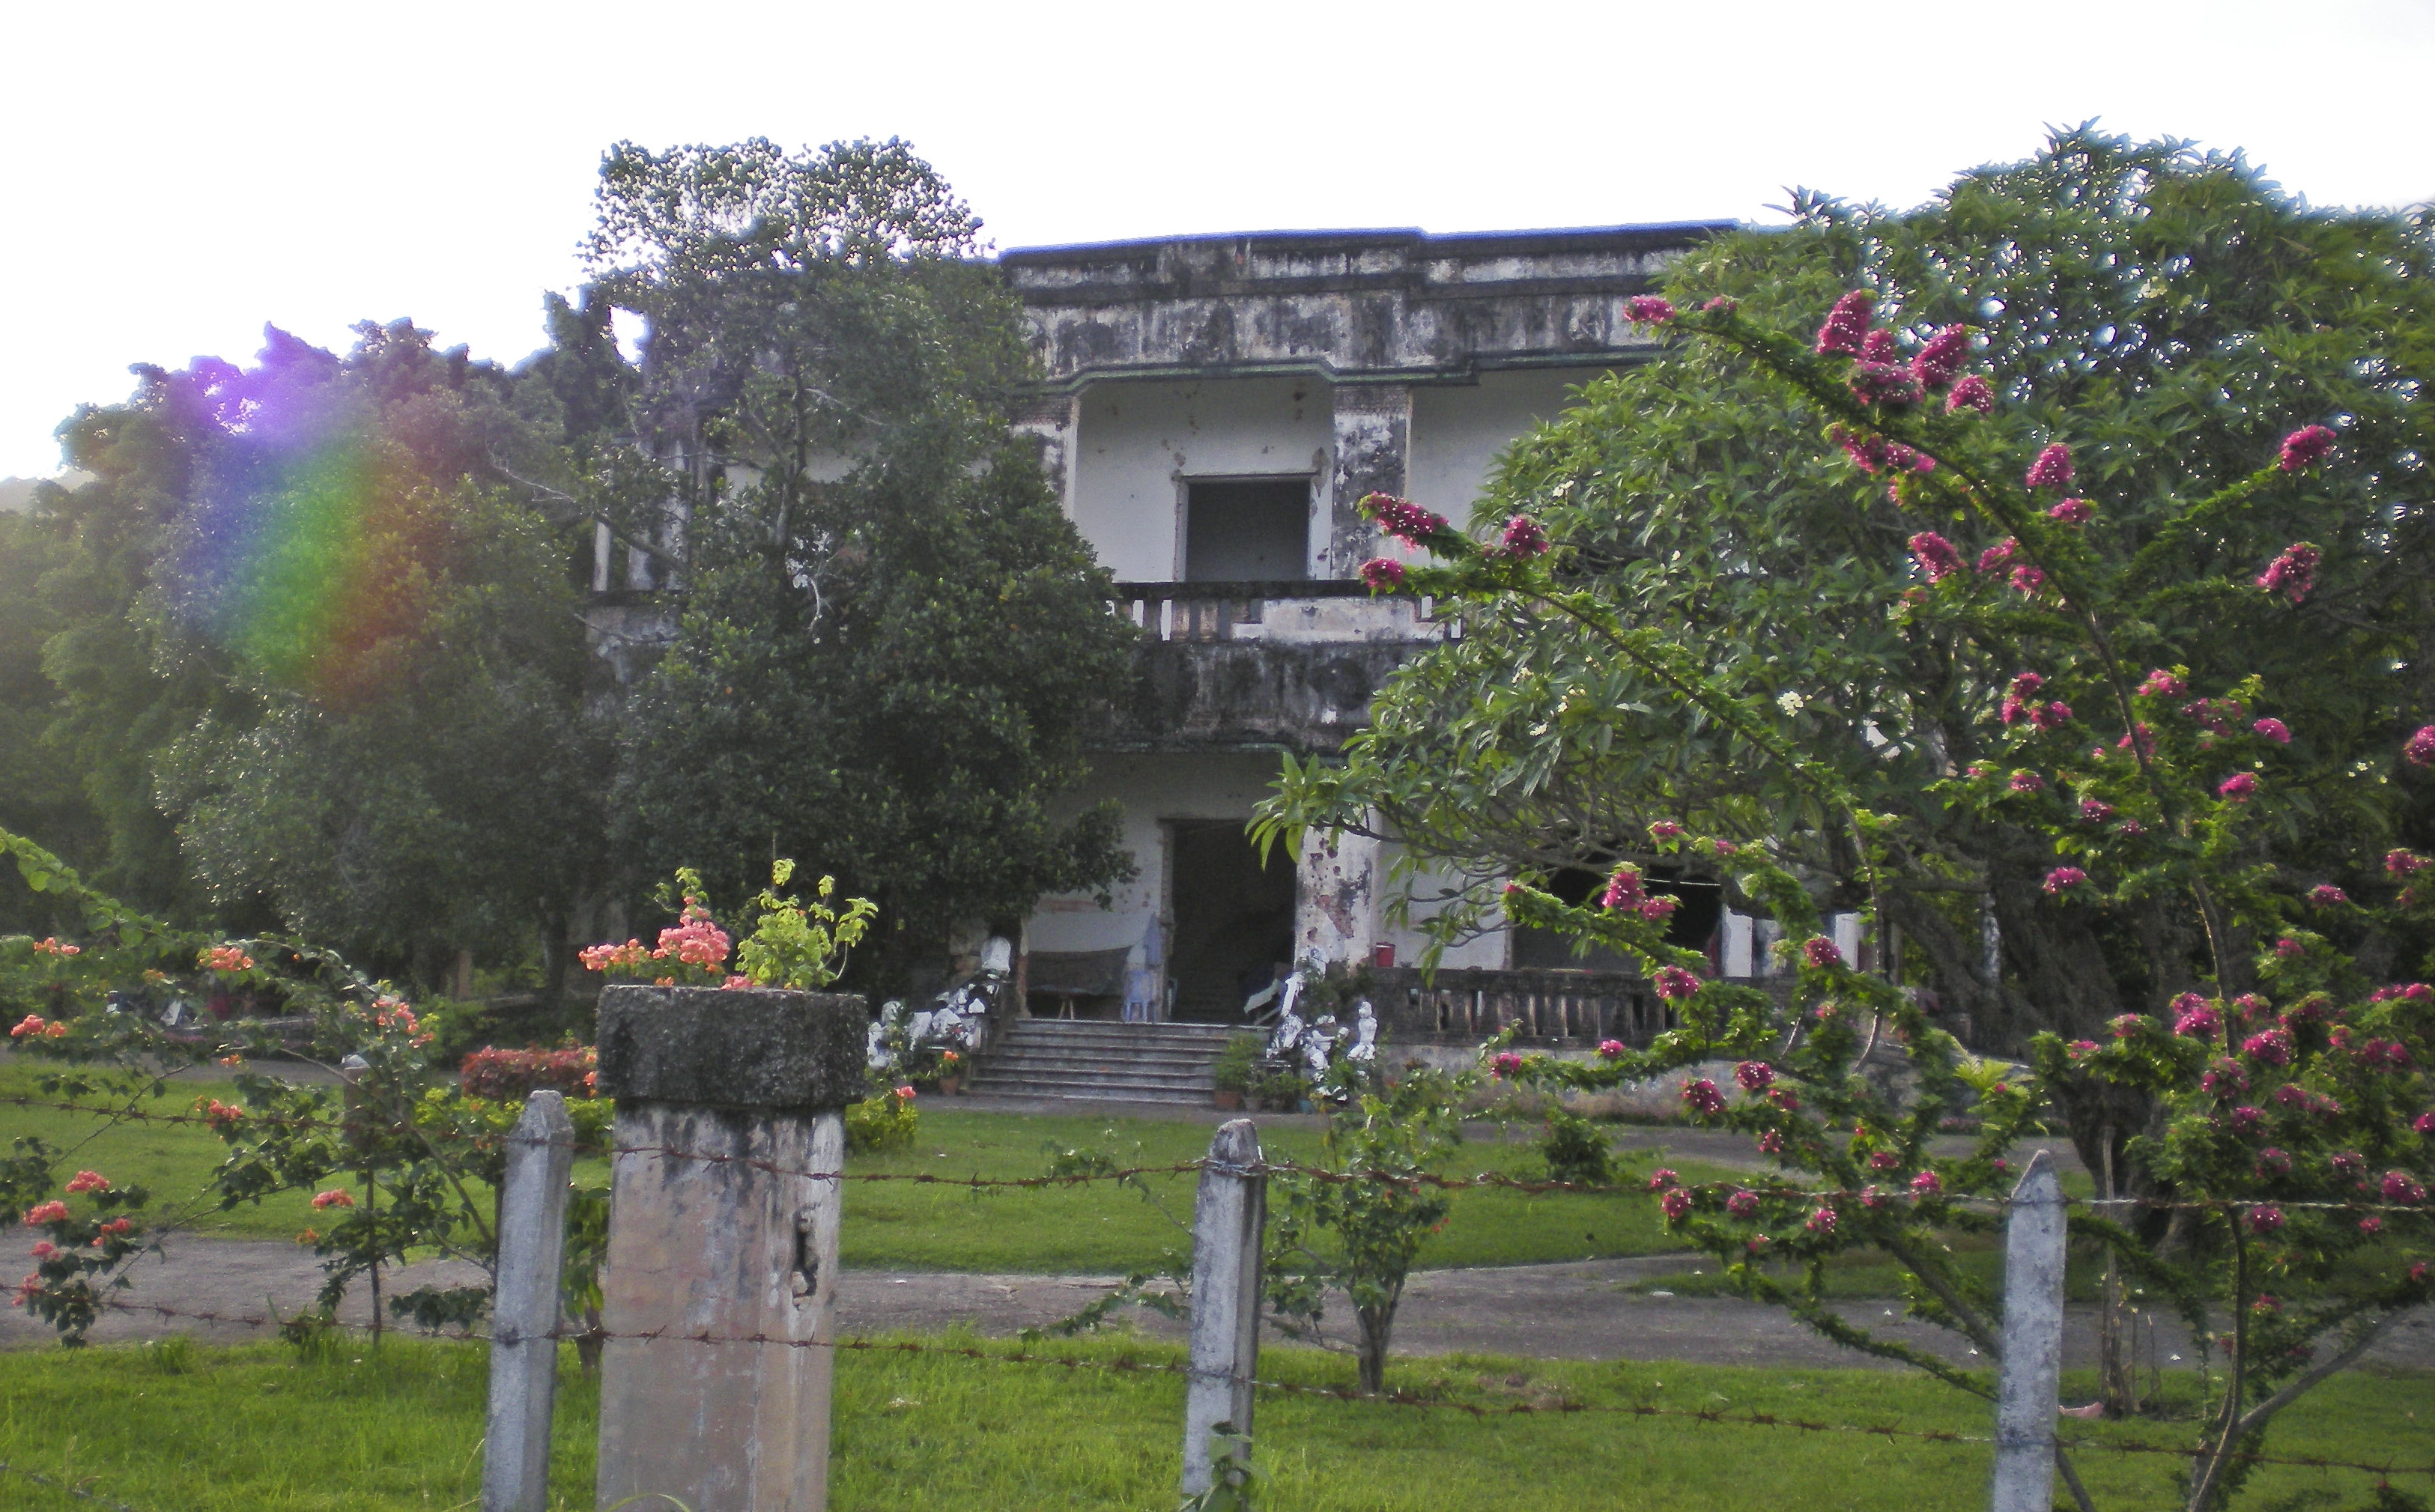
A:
x: 1222, y: 1367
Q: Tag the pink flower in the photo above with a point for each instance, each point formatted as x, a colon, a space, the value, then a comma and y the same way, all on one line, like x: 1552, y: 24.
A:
x: 1883, y: 383
x: 2094, y: 811
x: 2349, y: 1164
x: 1972, y: 392
x: 2424, y: 1123
x: 2200, y: 1022
x: 88, y: 1182
x: 2371, y: 1227
x: 2304, y: 446
x: 2125, y: 1025
x: 1653, y: 909
x: 1383, y: 573
x: 1743, y: 1203
x: 1676, y: 1203
x: 51, y: 1211
x: 2164, y: 684
x: 1755, y: 1244
x: 2052, y: 714
x: 1880, y: 345
x: 1674, y: 983
x: 2272, y: 1162
x: 2027, y: 580
x: 601, y: 957
x: 1995, y: 556
x: 2063, y: 876
x: 1940, y: 361
x: 736, y: 984
x: 905, y: 1094
x: 1820, y: 951
x: 335, y: 1197
x: 2052, y: 470
x: 2028, y: 781
x: 1648, y: 309
x: 1703, y: 1098
x: 1505, y: 1065
x: 2270, y: 1048
x: 2225, y: 1079
x: 2403, y: 863
x: 1884, y: 1160
x: 1623, y: 890
x: 1664, y: 1179
x: 1664, y: 830
x: 1524, y: 538
x: 2024, y: 687
x: 44, y: 1249
x: 1610, y: 1048
x: 1821, y: 1222
x: 2420, y: 751
x: 2265, y: 1218
x: 2238, y: 788
x: 2293, y: 575
x: 30, y: 1026
x: 1723, y: 304
x: 2139, y: 736
x: 1755, y: 1076
x: 1935, y: 555
x: 2072, y: 512
x: 1927, y: 1184
x: 1847, y: 324
x: 2274, y: 729
x: 1403, y: 519
x: 2398, y: 1187
x: 1771, y: 1142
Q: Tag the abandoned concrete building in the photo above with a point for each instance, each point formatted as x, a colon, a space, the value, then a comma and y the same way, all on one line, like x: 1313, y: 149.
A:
x: 1212, y: 411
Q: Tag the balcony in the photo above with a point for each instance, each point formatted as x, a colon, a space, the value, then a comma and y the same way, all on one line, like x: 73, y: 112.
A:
x: 1551, y: 1009
x: 1259, y: 665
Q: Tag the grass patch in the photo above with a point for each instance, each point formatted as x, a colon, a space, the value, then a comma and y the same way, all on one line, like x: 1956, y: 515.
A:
x: 255, y: 1428
x: 1099, y: 1228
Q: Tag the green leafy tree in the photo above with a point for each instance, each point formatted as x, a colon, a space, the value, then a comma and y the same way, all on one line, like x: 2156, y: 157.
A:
x: 892, y: 641
x: 2166, y: 313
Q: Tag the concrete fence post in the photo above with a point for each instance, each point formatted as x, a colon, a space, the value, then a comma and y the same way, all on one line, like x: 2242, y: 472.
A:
x: 1229, y: 1218
x: 2031, y: 1370
x: 523, y: 1310
x: 718, y: 1296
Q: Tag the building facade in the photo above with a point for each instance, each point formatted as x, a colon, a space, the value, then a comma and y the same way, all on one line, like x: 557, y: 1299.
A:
x: 1211, y: 412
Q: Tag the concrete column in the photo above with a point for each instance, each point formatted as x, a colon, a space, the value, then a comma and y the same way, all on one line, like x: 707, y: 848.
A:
x: 1049, y: 420
x: 1373, y: 434
x: 2031, y: 1369
x: 1229, y: 1221
x: 1336, y: 897
x: 722, y: 1244
x: 523, y: 1312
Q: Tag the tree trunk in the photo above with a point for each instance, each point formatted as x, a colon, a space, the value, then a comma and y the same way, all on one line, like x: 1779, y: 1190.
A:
x: 1377, y: 1325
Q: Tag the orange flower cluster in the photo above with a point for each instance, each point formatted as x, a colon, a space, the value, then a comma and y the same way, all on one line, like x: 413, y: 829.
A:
x: 32, y: 1027
x: 225, y: 958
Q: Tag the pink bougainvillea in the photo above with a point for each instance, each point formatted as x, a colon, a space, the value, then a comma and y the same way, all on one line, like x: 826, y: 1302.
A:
x: 1847, y: 323
x: 2304, y: 446
x: 1972, y: 392
x: 2062, y: 878
x: 2052, y: 470
x: 1935, y: 555
x: 2293, y: 574
x: 1940, y: 360
x: 1648, y: 309
x: 1383, y: 573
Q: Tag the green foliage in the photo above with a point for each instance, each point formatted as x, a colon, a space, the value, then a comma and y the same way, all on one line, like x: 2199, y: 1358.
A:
x: 1358, y: 1221
x: 794, y: 945
x: 877, y: 1125
x: 1238, y: 1064
x: 1233, y: 1478
x: 893, y: 642
x: 1576, y: 1150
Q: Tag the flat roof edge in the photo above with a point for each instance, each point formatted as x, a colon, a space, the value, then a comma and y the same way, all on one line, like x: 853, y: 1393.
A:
x: 1552, y: 238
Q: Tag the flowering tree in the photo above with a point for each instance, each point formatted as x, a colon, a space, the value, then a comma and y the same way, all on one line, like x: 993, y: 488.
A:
x: 2274, y: 1114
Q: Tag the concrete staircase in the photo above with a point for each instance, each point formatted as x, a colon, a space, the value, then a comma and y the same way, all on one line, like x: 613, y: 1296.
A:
x: 1100, y: 1058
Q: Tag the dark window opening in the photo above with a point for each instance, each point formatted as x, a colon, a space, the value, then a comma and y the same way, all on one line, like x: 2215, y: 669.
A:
x: 1243, y: 532
x: 1693, y: 925
x: 1233, y: 919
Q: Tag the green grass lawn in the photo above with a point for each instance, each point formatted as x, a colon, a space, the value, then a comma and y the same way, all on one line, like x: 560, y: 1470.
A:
x: 1096, y: 1228
x: 255, y: 1428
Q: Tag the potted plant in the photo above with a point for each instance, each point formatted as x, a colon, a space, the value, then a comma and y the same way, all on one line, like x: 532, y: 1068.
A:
x: 951, y: 1071
x: 1237, y: 1068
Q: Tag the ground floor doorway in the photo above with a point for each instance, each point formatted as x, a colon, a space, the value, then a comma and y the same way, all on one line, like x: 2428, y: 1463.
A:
x: 1234, y: 917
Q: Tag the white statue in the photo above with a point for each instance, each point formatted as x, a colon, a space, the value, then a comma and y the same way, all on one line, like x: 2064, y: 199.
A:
x: 1364, y: 1048
x: 1318, y: 1046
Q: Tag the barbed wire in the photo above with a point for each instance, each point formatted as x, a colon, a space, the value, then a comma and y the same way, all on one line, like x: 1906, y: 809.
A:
x: 1127, y: 1366
x: 1477, y: 1182
x: 64, y: 1488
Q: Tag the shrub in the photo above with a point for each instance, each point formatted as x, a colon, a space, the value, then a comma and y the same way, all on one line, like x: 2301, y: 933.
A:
x: 511, y: 1075
x: 1576, y: 1150
x: 1238, y: 1064
x: 887, y: 1122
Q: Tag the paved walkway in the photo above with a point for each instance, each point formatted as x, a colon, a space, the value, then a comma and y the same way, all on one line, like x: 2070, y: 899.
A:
x: 1579, y: 1311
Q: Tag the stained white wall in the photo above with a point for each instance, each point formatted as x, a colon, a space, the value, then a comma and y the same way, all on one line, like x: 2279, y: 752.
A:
x: 1486, y: 951
x: 1219, y: 785
x: 1457, y: 432
x: 1137, y: 442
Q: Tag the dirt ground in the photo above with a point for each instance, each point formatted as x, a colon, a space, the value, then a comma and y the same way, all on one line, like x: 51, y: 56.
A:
x: 1580, y: 1311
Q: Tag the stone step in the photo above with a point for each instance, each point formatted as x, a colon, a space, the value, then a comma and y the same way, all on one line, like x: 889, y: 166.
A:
x: 1100, y: 1060
x: 1092, y: 1056
x: 1112, y: 1092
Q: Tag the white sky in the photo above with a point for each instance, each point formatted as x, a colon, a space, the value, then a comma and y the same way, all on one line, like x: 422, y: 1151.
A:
x: 178, y: 173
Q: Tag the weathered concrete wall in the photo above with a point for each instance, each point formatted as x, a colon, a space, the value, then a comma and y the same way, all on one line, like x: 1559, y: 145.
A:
x: 1371, y: 302
x: 1458, y: 430
x: 1138, y: 444
x: 1151, y: 789
x: 1305, y: 696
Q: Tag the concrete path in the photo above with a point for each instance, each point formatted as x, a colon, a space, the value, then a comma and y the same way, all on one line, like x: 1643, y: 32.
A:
x: 1580, y: 1311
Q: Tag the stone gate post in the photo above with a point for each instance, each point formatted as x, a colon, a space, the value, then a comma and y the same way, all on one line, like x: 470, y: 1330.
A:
x: 718, y: 1296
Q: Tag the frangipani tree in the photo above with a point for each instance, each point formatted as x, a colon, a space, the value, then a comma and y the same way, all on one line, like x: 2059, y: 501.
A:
x: 2275, y: 1112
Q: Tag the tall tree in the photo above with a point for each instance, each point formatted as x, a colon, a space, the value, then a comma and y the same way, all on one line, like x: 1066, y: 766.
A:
x: 893, y: 643
x: 2168, y: 314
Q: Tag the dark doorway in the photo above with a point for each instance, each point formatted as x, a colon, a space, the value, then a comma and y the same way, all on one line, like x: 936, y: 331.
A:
x: 1248, y: 531
x: 1692, y: 925
x: 1233, y: 919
